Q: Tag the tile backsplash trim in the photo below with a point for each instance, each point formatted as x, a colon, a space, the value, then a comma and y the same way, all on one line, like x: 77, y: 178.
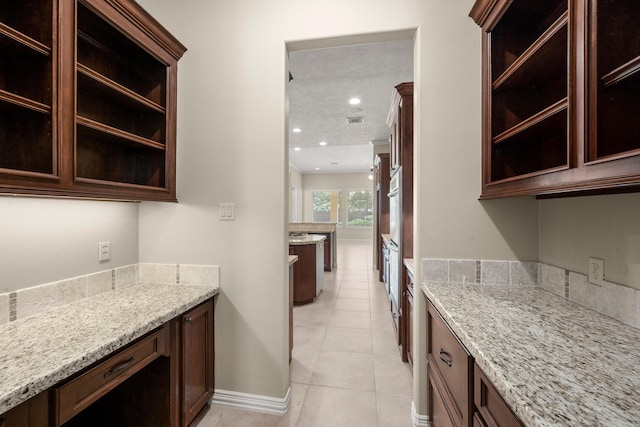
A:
x: 617, y: 301
x: 29, y: 301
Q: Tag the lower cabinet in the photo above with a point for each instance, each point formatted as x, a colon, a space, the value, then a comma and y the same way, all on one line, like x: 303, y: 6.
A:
x: 459, y: 392
x: 407, y: 317
x: 491, y: 409
x: 163, y: 379
x: 197, y: 360
x: 32, y: 413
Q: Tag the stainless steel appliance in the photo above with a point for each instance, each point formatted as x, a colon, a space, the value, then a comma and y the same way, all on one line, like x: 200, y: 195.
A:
x: 395, y: 226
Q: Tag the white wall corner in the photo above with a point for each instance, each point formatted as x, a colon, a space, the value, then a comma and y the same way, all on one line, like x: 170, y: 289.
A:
x: 417, y: 419
x: 253, y: 402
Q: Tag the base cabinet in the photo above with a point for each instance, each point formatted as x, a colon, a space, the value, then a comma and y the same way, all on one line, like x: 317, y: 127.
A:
x: 198, y: 362
x: 32, y: 413
x: 459, y: 392
x: 163, y: 379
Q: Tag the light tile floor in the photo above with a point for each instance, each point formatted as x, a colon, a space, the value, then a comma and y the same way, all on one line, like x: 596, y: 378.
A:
x: 346, y: 368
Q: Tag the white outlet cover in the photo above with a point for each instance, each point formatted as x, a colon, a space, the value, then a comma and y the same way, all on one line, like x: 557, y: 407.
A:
x: 596, y: 271
x: 104, y: 251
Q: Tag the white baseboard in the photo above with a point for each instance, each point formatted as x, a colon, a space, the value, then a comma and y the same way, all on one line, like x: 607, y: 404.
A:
x: 419, y: 420
x: 253, y: 402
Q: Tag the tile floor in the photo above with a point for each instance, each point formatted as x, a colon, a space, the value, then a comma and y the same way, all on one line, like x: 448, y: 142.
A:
x: 346, y: 368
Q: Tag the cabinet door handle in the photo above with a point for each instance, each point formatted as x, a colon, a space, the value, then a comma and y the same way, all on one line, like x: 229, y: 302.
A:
x: 446, y: 359
x: 121, y: 367
x: 189, y: 320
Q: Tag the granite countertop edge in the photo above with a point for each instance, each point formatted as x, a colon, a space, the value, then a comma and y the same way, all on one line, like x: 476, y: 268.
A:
x: 310, y: 239
x: 29, y: 366
x: 558, y: 394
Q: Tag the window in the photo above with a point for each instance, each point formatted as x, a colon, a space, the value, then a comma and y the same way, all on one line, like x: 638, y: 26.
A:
x: 327, y: 206
x: 360, y: 208
x: 295, y: 204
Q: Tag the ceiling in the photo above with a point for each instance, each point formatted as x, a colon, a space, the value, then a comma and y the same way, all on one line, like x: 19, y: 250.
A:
x: 324, y: 80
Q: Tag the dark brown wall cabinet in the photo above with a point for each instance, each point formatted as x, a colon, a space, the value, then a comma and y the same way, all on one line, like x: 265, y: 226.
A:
x: 87, y: 100
x: 561, y: 91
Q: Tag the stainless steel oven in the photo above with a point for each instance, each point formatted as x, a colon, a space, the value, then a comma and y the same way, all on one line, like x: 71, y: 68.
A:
x: 395, y: 227
x: 395, y: 206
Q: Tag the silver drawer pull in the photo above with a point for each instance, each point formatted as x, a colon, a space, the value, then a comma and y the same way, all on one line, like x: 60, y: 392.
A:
x: 189, y: 320
x: 119, y: 368
x: 446, y: 359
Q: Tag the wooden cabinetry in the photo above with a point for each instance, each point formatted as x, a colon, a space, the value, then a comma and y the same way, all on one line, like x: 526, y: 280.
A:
x: 32, y: 413
x: 491, y: 409
x: 407, y: 314
x: 382, y: 177
x: 400, y: 121
x: 198, y: 360
x: 560, y: 83
x: 459, y: 392
x: 450, y: 370
x: 163, y: 379
x: 308, y: 275
x: 88, y: 100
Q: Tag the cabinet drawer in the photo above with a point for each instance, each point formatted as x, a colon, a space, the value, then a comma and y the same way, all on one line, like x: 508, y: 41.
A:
x: 76, y: 395
x: 437, y: 408
x: 489, y: 403
x: 452, y: 364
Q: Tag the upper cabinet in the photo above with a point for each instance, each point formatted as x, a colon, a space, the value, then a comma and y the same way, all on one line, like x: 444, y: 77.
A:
x: 88, y: 93
x: 560, y: 94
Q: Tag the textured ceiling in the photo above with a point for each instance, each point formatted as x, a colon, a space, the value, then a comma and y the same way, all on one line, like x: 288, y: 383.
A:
x: 323, y: 82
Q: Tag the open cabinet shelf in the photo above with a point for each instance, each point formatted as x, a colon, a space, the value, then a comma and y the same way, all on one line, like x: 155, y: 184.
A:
x: 88, y: 100
x: 561, y: 94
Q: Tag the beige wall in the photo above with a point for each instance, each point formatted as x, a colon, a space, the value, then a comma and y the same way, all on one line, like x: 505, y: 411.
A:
x: 232, y: 148
x: 605, y: 227
x: 44, y: 240
x: 341, y: 182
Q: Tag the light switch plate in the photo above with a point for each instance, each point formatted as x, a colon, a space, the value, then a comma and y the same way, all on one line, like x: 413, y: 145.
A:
x: 226, y: 211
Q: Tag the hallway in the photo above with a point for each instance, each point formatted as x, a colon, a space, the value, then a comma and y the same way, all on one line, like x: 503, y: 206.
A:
x: 346, y: 368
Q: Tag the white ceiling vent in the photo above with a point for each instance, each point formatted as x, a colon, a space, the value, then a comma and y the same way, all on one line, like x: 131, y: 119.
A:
x: 355, y: 119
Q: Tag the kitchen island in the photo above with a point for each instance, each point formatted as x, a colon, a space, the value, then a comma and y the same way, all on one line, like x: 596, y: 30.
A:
x: 308, y: 274
x: 327, y: 229
x: 45, y: 355
x: 554, y: 362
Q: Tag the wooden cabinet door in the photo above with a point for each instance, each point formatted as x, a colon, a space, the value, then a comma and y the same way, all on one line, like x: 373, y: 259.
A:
x: 32, y: 413
x: 197, y: 360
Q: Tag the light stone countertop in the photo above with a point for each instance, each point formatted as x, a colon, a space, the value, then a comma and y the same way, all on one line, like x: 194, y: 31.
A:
x: 309, y: 239
x: 310, y: 227
x: 40, y: 351
x: 555, y: 362
x: 386, y: 239
x: 408, y: 262
x: 293, y: 259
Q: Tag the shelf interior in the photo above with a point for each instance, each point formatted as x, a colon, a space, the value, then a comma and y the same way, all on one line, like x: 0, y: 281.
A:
x: 618, y: 35
x: 26, y: 142
x: 105, y: 157
x: 618, y: 124
x: 103, y: 48
x: 31, y: 17
x: 522, y: 24
x: 25, y: 72
x: 538, y: 148
x: 113, y: 108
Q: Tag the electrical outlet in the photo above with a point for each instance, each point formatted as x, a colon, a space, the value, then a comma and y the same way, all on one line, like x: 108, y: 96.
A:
x: 104, y: 251
x: 596, y: 271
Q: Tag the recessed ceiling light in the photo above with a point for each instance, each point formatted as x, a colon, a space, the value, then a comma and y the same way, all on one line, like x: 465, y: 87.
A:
x: 354, y: 101
x: 323, y: 143
x: 296, y: 149
x: 317, y: 169
x: 296, y: 130
x: 370, y: 177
